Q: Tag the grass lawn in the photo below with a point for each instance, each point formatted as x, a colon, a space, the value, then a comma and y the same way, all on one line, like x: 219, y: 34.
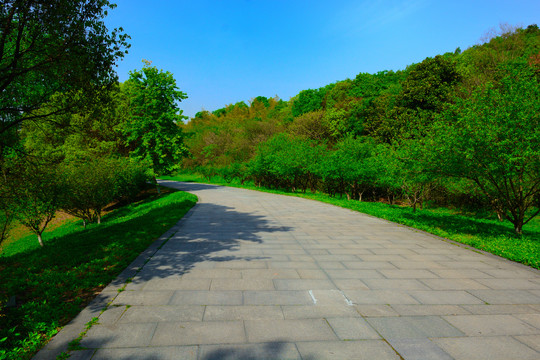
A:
x: 53, y: 284
x: 483, y: 232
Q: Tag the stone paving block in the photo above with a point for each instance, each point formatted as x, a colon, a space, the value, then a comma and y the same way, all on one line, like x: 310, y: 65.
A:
x: 277, y: 297
x: 411, y: 327
x: 509, y: 297
x: 263, y: 351
x: 270, y: 274
x: 293, y: 258
x: 331, y: 265
x: 303, y: 284
x: 415, y: 265
x: 453, y: 284
x: 486, y: 348
x: 533, y: 341
x: 376, y: 310
x: 241, y: 264
x: 189, y: 297
x: 352, y: 328
x: 293, y: 265
x: 370, y: 265
x: 120, y: 335
x: 350, y: 284
x: 418, y: 349
x: 408, y: 274
x: 513, y: 273
x: 242, y: 284
x: 498, y: 309
x: 244, y: 312
x: 354, y: 274
x: 453, y: 273
x: 212, y: 274
x: 312, y: 274
x: 379, y: 297
x: 177, y: 284
x: 345, y: 250
x: 477, y: 265
x: 143, y: 298
x: 334, y: 258
x: 395, y: 284
x: 511, y: 284
x: 318, y: 311
x: 445, y: 297
x: 339, y: 350
x: 422, y: 310
x: 490, y: 325
x: 193, y: 333
x: 379, y: 258
x: 146, y: 353
x: 288, y: 330
x: 111, y: 315
x: 142, y: 314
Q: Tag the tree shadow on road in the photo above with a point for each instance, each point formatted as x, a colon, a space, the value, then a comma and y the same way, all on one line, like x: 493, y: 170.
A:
x: 211, y: 233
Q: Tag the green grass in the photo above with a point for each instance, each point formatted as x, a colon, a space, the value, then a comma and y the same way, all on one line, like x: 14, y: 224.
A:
x: 481, y: 231
x: 52, y: 284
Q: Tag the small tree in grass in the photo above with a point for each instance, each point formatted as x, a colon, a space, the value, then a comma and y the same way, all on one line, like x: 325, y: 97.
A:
x: 37, y: 197
x: 90, y: 187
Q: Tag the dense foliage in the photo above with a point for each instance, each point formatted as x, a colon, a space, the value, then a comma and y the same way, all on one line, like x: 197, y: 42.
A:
x: 460, y: 129
x: 72, y: 139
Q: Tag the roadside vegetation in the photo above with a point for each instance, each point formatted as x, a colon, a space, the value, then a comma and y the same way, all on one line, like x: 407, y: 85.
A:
x: 455, y: 138
x: 480, y: 229
x: 459, y: 130
x: 49, y: 286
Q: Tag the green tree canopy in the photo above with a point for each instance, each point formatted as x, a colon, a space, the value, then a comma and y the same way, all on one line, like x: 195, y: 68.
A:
x: 53, y: 46
x: 493, y: 139
x: 152, y: 129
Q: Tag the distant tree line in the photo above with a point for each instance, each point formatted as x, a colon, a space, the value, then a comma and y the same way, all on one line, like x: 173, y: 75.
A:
x: 459, y: 129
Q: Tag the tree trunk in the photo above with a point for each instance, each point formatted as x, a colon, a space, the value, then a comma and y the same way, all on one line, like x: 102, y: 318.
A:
x: 518, y: 227
x: 40, y: 239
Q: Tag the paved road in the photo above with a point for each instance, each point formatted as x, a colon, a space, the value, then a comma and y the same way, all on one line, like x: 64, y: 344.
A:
x: 249, y: 275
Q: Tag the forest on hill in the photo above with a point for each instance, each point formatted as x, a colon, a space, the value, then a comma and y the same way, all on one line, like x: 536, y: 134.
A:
x: 460, y: 129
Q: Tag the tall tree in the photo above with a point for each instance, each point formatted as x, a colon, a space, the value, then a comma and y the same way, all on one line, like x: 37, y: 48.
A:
x: 152, y: 129
x: 53, y: 46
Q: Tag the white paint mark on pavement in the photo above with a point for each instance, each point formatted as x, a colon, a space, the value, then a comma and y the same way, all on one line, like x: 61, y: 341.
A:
x: 349, y: 302
x: 312, y: 297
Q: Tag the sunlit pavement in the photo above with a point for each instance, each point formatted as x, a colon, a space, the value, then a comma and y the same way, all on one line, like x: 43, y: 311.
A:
x: 251, y: 275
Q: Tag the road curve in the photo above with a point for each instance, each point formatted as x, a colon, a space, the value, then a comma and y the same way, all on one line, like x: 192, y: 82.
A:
x: 252, y: 275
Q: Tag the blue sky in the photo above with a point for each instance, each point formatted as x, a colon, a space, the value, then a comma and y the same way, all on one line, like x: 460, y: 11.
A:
x: 221, y: 52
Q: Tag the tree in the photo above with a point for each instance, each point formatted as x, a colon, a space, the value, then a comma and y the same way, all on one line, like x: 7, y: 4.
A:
x: 492, y: 138
x: 38, y: 199
x: 53, y: 46
x: 152, y: 129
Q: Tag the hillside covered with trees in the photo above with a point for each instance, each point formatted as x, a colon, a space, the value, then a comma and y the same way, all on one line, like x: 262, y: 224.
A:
x: 460, y: 129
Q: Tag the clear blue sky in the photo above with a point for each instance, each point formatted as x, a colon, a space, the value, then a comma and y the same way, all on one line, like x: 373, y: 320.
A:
x: 221, y: 52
